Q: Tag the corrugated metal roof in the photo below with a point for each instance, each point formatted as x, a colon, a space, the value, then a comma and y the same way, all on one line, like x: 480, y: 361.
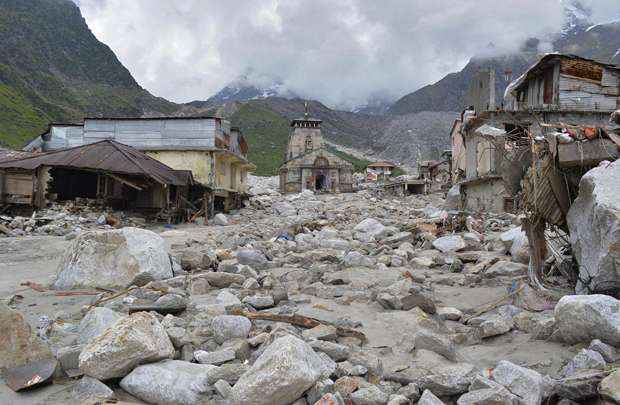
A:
x: 9, y: 154
x: 107, y: 156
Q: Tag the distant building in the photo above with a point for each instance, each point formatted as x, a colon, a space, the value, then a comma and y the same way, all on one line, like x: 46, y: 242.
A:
x: 214, y: 152
x: 380, y: 170
x: 308, y: 165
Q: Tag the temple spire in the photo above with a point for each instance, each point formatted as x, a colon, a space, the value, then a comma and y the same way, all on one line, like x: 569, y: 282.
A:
x: 306, y: 114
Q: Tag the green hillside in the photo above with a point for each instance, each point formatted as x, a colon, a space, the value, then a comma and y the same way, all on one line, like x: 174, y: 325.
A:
x: 267, y: 134
x: 52, y: 68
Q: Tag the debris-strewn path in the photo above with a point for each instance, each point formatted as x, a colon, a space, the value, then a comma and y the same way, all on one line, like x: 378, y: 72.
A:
x: 304, y: 299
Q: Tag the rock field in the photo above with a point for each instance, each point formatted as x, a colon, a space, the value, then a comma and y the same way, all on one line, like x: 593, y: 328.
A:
x: 303, y: 299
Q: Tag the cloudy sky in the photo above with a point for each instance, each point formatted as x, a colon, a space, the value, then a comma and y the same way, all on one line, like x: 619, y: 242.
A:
x: 341, y: 52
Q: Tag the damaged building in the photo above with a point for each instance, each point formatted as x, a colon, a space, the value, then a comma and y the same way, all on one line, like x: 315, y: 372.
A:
x: 209, y: 147
x: 309, y: 165
x: 530, y: 155
x: 108, y: 173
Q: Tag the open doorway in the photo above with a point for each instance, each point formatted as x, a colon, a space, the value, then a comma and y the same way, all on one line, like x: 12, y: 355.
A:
x: 319, y: 182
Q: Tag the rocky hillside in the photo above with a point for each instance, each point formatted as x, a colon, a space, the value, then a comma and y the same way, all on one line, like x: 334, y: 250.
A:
x: 52, y: 68
x: 600, y: 42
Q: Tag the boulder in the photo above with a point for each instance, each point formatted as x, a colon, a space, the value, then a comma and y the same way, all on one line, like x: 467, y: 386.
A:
x: 371, y: 227
x: 451, y: 243
x: 488, y: 396
x: 19, y: 344
x: 171, y: 382
x: 91, y: 390
x: 495, y: 325
x: 594, y: 224
x: 506, y: 269
x: 523, y: 382
x: 132, y: 341
x: 440, y: 344
x: 610, y: 387
x: 356, y: 259
x: 428, y: 398
x: 215, y: 358
x: 95, y: 322
x: 609, y: 353
x: 284, y: 208
x: 453, y: 199
x: 220, y: 219
x: 580, y: 386
x: 259, y: 301
x: 370, y: 395
x: 251, y: 257
x: 581, y: 318
x: 226, y: 327
x: 222, y: 280
x: 113, y: 259
x: 586, y: 359
x: 452, y: 379
x: 285, y: 370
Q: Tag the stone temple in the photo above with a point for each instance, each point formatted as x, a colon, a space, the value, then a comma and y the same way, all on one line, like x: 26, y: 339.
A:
x: 308, y: 165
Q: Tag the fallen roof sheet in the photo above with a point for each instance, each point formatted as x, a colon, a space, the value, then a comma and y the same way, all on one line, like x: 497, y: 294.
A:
x: 107, y: 155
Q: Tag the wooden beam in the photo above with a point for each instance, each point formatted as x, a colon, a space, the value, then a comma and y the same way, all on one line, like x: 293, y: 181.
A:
x: 127, y: 182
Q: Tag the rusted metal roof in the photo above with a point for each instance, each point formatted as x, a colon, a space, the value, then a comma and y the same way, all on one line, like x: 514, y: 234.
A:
x: 105, y: 156
x: 382, y: 164
x: 9, y: 154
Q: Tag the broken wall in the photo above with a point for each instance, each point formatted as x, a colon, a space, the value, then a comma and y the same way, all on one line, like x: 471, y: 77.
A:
x: 485, y: 195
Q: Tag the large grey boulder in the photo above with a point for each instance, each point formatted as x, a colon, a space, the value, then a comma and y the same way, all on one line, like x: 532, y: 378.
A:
x: 132, y: 341
x: 19, y: 344
x: 371, y: 227
x: 251, y: 257
x: 285, y: 370
x: 113, y: 259
x: 428, y: 398
x: 581, y: 318
x: 170, y: 382
x: 226, y: 327
x: 594, y: 225
x: 95, y: 322
x: 523, y: 382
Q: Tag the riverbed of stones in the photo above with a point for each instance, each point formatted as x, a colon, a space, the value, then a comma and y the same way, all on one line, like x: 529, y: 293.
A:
x: 323, y: 299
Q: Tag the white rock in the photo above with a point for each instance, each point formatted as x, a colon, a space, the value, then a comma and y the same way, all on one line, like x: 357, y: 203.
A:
x: 523, y: 382
x: 451, y: 243
x: 582, y: 318
x: 134, y: 340
x: 170, y: 382
x: 285, y: 370
x: 95, y: 322
x: 594, y: 223
x: 370, y: 226
x: 220, y: 219
x: 113, y: 259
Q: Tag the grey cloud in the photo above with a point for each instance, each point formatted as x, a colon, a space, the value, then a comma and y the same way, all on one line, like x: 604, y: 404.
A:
x: 339, y: 51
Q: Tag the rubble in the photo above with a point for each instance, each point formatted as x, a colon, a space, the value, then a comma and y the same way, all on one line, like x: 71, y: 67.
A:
x: 339, y: 299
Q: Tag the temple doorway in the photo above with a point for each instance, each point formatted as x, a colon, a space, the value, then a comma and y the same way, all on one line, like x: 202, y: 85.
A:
x: 319, y: 183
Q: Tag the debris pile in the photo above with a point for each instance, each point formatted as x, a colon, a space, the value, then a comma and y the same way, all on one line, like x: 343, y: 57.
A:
x: 321, y: 299
x: 62, y: 219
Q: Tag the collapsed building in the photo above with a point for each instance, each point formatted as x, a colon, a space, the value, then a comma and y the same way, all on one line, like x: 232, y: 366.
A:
x: 530, y: 154
x: 214, y: 152
x: 308, y: 165
x: 112, y: 174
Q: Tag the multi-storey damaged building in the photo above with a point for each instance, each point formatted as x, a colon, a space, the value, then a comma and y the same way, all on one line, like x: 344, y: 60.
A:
x: 215, y: 153
x: 530, y: 152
